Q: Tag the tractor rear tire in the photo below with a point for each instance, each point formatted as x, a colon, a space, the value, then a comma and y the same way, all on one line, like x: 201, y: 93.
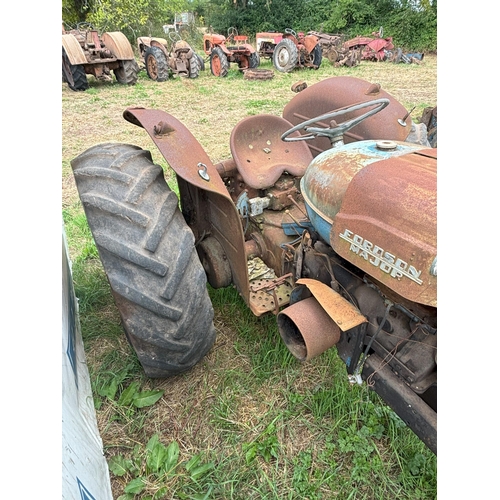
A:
x: 194, y: 66
x: 258, y: 74
x: 285, y: 56
x: 73, y: 74
x: 202, y: 62
x: 317, y: 56
x: 126, y: 74
x: 148, y: 253
x: 156, y: 64
x: 219, y: 65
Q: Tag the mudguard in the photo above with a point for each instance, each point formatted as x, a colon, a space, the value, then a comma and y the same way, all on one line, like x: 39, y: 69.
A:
x: 215, y: 211
x: 73, y: 49
x: 118, y: 44
x: 339, y: 92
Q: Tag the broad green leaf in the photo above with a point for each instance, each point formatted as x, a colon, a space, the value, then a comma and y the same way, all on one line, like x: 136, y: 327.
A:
x: 128, y: 395
x: 250, y: 454
x: 172, y: 456
x: 119, y: 465
x: 152, y: 443
x: 192, y: 462
x: 109, y: 390
x: 127, y: 496
x: 147, y: 398
x: 156, y: 457
x: 135, y: 486
x: 201, y: 470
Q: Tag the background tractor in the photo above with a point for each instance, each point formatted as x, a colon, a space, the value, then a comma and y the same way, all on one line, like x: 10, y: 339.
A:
x: 333, y: 48
x: 296, y: 51
x: 371, y: 48
x: 324, y: 216
x: 162, y: 58
x: 85, y: 52
x: 233, y: 49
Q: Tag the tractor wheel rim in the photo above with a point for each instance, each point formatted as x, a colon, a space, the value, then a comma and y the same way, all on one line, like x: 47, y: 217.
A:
x: 153, y: 70
x: 283, y: 57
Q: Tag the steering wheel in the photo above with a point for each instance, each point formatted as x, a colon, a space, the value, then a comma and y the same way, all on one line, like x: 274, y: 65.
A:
x: 232, y: 32
x: 290, y: 31
x: 336, y: 132
x: 84, y: 26
x: 174, y: 36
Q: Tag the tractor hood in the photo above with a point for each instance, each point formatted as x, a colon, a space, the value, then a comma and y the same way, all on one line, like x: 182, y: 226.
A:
x: 375, y: 203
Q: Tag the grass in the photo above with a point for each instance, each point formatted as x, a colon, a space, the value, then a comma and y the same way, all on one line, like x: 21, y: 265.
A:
x: 248, y: 421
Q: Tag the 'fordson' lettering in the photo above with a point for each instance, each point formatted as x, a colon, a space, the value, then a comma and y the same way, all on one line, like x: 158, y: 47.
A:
x: 385, y: 261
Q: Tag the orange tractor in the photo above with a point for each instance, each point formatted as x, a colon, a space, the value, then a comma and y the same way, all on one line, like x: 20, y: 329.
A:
x: 233, y: 49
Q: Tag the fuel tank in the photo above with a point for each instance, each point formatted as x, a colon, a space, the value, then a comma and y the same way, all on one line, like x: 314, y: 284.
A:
x: 375, y: 203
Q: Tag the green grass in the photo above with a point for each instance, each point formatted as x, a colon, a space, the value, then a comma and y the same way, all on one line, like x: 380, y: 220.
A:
x: 249, y: 421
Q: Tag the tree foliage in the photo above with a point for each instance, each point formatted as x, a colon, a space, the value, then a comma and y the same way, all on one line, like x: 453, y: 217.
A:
x: 411, y: 23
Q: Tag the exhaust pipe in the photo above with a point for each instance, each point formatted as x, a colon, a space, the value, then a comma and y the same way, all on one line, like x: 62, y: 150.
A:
x: 307, y: 329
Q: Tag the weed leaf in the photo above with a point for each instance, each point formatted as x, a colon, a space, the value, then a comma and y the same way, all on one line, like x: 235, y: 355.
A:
x: 128, y: 395
x: 109, y: 391
x: 135, y: 486
x: 119, y: 466
x: 147, y: 398
x: 201, y: 471
x: 157, y: 453
x: 192, y: 463
x: 172, y: 456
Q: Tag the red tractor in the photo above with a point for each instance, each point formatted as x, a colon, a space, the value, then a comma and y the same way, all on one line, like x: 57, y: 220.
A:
x: 374, y: 48
x: 325, y: 216
x: 233, y: 49
x: 296, y: 51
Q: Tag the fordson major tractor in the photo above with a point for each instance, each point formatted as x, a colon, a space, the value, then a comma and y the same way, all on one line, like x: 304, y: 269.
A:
x: 332, y: 206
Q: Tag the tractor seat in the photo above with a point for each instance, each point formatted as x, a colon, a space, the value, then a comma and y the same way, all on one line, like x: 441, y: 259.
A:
x: 261, y: 156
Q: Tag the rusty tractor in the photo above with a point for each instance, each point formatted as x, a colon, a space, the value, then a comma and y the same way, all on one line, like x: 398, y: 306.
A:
x: 85, y: 52
x: 372, y: 48
x: 333, y: 48
x: 297, y: 51
x: 233, y: 49
x: 324, y: 216
x: 162, y: 58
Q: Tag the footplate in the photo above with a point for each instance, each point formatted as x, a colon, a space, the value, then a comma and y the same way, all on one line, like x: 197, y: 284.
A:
x: 268, y: 293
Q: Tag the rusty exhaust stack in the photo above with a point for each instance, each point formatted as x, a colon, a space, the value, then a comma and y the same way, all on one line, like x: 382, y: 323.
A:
x: 307, y: 329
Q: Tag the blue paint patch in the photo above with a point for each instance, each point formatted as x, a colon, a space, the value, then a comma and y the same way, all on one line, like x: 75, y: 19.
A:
x: 71, y: 349
x: 84, y: 492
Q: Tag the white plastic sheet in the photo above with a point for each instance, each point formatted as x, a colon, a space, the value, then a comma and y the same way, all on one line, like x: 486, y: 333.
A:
x: 85, y: 471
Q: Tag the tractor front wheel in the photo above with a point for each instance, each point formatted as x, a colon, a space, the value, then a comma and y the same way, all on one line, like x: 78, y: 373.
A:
x: 219, y: 65
x: 285, y: 56
x: 148, y: 253
x: 156, y: 64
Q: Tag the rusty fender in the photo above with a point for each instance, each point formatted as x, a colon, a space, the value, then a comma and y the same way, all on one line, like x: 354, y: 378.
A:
x: 199, y: 179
